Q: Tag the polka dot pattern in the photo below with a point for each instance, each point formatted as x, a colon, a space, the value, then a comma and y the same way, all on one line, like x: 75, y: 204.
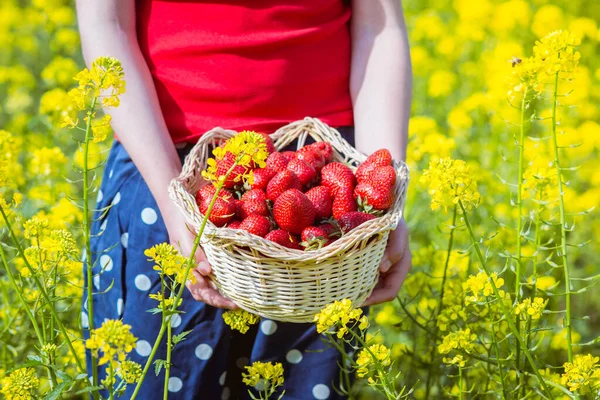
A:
x: 99, y: 196
x: 103, y: 227
x: 120, y: 307
x: 96, y: 280
x: 268, y: 327
x: 175, y: 384
x: 321, y: 392
x: 85, y: 322
x: 294, y: 356
x: 125, y: 239
x: 106, y: 263
x: 149, y: 216
x: 175, y: 320
x: 222, y: 378
x: 142, y: 282
x: 143, y: 348
x: 203, y: 351
x: 116, y: 199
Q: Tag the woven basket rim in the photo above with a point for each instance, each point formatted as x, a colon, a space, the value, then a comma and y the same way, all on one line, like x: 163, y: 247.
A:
x: 179, y: 191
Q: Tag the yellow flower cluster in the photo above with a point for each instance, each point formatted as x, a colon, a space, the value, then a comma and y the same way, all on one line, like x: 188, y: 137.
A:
x: 340, y: 314
x: 129, y: 371
x: 268, y: 373
x: 524, y: 79
x: 105, y: 79
x: 168, y: 261
x: 449, y: 315
x: 368, y: 358
x: 533, y: 309
x: 479, y: 285
x: 582, y: 373
x: 113, y: 339
x: 164, y: 303
x: 557, y: 55
x: 240, y: 320
x: 462, y: 339
x: 20, y: 384
x: 247, y: 149
x: 450, y: 182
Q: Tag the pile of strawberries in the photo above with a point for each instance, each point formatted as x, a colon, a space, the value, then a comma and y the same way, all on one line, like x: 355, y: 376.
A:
x: 301, y: 199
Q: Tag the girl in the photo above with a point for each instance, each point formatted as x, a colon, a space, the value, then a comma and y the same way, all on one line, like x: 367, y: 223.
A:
x: 191, y: 65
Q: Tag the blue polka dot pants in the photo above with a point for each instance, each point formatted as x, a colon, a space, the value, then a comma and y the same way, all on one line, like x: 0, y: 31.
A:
x: 209, y: 362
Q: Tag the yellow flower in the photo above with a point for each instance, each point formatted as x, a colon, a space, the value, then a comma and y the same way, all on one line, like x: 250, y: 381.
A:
x: 337, y: 315
x: 168, y: 261
x: 113, y: 339
x: 556, y: 54
x: 582, y: 373
x: 164, y: 303
x: 462, y: 339
x: 456, y: 360
x: 101, y: 128
x: 60, y: 72
x: 104, y: 80
x: 47, y: 162
x: 449, y: 182
x: 441, y: 83
x: 269, y: 374
x: 450, y: 315
x: 20, y: 384
x: 524, y: 79
x: 534, y: 308
x: 479, y: 284
x: 129, y: 371
x: 367, y: 360
x: 240, y: 320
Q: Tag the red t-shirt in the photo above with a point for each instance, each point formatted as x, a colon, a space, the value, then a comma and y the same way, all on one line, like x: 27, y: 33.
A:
x: 252, y: 64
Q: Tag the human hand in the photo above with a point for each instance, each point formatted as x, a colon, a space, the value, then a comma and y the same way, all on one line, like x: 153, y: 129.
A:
x: 394, y: 267
x: 203, y: 289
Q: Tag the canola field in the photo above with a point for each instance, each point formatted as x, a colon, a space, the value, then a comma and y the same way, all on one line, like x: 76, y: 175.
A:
x: 502, y: 301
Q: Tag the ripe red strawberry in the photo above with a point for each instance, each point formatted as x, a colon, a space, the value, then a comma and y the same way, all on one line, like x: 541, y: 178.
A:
x: 303, y: 171
x: 284, y: 238
x: 312, y: 157
x: 281, y: 182
x: 235, y: 177
x: 383, y: 175
x: 289, y: 155
x: 256, y: 224
x: 205, y: 192
x: 337, y: 177
x: 253, y: 201
x: 331, y: 230
x: 343, y: 203
x: 293, y: 211
x: 353, y: 219
x: 268, y: 142
x: 325, y: 149
x: 223, y: 210
x: 321, y: 199
x: 235, y: 224
x: 275, y: 163
x: 261, y: 179
x: 374, y: 196
x: 379, y: 158
x: 314, y: 238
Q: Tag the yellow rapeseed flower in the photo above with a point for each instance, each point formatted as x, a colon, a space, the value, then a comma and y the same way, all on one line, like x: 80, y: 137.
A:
x: 556, y: 54
x: 338, y: 315
x: 478, y: 285
x: 268, y: 373
x: 129, y: 371
x: 20, y: 384
x: 113, y: 339
x: 240, y: 320
x: 449, y: 182
x: 534, y: 308
x: 462, y: 339
x: 367, y: 360
x: 104, y: 80
x: 582, y: 373
x: 168, y: 261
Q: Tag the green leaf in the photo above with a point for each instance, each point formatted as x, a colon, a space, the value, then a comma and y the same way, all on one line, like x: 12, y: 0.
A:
x: 158, y: 366
x: 57, y: 391
x: 181, y: 337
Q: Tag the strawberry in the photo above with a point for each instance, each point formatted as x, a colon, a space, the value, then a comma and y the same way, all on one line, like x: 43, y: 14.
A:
x: 325, y: 149
x: 275, y: 163
x: 283, y: 238
x: 303, y: 171
x: 353, y: 219
x: 314, y: 238
x: 253, y: 201
x: 281, y: 182
x: 261, y: 178
x: 205, y: 193
x: 342, y: 203
x: 235, y: 224
x: 337, y: 176
x: 293, y: 211
x: 374, y: 196
x: 256, y: 224
x: 235, y: 177
x: 383, y: 175
x: 380, y: 158
x: 223, y: 210
x: 312, y: 157
x: 321, y: 199
x: 289, y: 155
x: 268, y: 142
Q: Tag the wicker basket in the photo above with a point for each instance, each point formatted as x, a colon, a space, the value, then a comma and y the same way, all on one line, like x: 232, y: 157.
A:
x: 270, y: 280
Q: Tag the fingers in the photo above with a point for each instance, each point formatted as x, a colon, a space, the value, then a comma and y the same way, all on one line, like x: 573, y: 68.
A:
x: 390, y: 283
x: 397, y: 244
x: 205, y: 291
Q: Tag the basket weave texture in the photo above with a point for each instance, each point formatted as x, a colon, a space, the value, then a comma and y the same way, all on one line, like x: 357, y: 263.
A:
x: 268, y: 279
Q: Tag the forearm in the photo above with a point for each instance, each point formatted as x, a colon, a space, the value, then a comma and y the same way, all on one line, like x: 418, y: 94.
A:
x: 138, y: 121
x: 381, y: 86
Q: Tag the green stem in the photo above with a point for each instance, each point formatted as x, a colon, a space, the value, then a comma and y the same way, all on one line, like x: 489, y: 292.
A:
x: 505, y: 310
x: 42, y: 290
x: 563, y: 233
x: 87, y: 242
x: 460, y: 381
x: 497, y: 351
x: 441, y: 305
x: 111, y: 379
x: 190, y: 263
x: 520, y: 220
x: 168, y: 362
